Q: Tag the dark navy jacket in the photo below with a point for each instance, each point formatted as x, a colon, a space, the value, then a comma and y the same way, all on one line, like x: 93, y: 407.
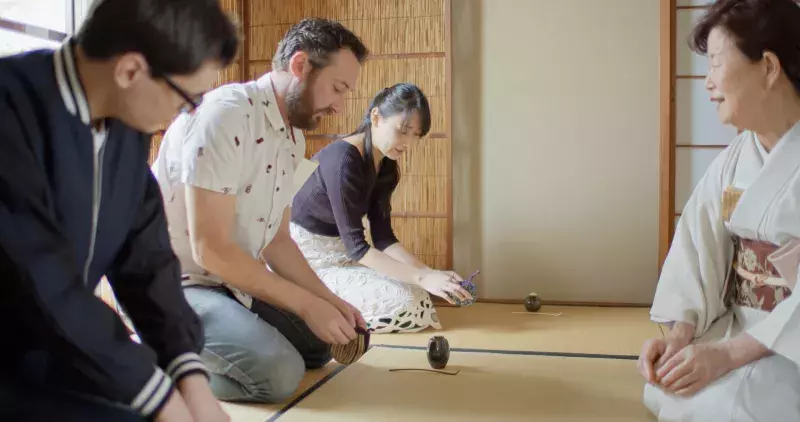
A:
x: 65, y: 222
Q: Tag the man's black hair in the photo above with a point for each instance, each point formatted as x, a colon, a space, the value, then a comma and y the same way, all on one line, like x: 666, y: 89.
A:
x: 176, y: 37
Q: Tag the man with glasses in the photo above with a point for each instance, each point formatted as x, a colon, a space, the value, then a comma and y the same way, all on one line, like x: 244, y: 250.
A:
x: 226, y: 174
x: 78, y: 202
x: 191, y: 101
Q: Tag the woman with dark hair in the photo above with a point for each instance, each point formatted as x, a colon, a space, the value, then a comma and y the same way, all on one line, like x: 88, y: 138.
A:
x: 355, y: 178
x: 733, y: 348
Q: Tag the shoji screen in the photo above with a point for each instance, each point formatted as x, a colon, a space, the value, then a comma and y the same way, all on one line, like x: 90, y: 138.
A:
x: 697, y: 136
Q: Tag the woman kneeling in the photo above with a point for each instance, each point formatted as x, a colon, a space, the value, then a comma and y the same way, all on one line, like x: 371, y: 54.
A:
x: 355, y: 178
x: 727, y: 285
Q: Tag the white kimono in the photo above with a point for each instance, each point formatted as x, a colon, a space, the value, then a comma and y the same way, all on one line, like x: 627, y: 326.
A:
x: 693, y: 283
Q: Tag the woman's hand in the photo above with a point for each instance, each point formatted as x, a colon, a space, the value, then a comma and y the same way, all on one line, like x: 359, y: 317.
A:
x: 658, y: 351
x: 443, y: 285
x: 697, y: 366
x: 454, y: 276
x: 694, y: 368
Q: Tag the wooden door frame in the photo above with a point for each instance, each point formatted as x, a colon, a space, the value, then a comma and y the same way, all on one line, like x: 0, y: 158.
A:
x: 244, y: 57
x: 666, y: 192
x: 448, y: 110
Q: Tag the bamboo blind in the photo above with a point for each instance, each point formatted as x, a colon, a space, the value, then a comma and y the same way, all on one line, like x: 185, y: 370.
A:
x: 271, y: 12
x: 407, y: 42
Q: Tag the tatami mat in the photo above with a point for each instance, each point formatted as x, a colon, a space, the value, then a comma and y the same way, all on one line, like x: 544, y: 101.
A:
x: 579, y: 330
x: 489, y: 387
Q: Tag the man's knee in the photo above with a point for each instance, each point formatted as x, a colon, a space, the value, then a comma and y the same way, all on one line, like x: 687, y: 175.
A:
x: 263, y: 376
x: 278, y: 376
x: 249, y: 359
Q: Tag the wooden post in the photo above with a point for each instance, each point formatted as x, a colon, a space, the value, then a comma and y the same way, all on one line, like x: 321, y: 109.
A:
x: 244, y: 59
x: 666, y: 205
x: 448, y: 54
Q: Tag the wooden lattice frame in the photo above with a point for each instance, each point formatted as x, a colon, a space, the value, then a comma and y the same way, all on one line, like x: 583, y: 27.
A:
x: 668, y: 145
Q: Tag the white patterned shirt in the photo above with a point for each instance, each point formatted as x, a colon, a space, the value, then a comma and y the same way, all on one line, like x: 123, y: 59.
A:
x: 235, y: 143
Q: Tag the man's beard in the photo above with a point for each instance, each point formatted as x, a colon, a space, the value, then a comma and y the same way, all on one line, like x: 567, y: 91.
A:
x: 300, y: 106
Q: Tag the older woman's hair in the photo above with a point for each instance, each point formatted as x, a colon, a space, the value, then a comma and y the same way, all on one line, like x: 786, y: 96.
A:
x: 756, y: 26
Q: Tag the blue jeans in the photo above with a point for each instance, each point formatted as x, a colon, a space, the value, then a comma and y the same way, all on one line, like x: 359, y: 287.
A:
x: 254, y: 355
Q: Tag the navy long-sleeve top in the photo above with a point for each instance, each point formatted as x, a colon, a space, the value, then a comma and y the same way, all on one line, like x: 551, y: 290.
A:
x: 78, y: 202
x: 341, y: 191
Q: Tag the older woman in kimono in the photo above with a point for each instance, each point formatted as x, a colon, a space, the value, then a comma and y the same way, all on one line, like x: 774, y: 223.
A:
x: 733, y: 350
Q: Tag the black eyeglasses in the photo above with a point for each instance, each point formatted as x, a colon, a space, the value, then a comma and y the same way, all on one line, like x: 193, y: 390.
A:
x: 191, y: 102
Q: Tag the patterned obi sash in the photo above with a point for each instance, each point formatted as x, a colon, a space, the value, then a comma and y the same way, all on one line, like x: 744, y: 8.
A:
x: 754, y: 282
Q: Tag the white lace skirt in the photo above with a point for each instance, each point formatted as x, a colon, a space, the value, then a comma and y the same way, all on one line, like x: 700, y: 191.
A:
x: 388, y: 305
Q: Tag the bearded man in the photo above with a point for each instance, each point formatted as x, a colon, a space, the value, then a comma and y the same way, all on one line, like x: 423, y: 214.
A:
x: 226, y: 175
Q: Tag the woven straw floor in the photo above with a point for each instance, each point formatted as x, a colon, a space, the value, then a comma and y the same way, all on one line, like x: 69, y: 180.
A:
x: 592, y: 365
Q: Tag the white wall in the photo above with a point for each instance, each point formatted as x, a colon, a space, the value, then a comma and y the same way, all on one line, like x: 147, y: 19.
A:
x: 81, y: 10
x: 555, y: 121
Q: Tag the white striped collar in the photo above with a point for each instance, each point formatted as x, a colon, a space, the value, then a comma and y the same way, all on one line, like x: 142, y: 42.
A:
x: 69, y: 84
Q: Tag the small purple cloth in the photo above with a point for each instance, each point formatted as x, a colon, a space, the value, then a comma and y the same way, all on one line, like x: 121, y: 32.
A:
x: 470, y: 287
